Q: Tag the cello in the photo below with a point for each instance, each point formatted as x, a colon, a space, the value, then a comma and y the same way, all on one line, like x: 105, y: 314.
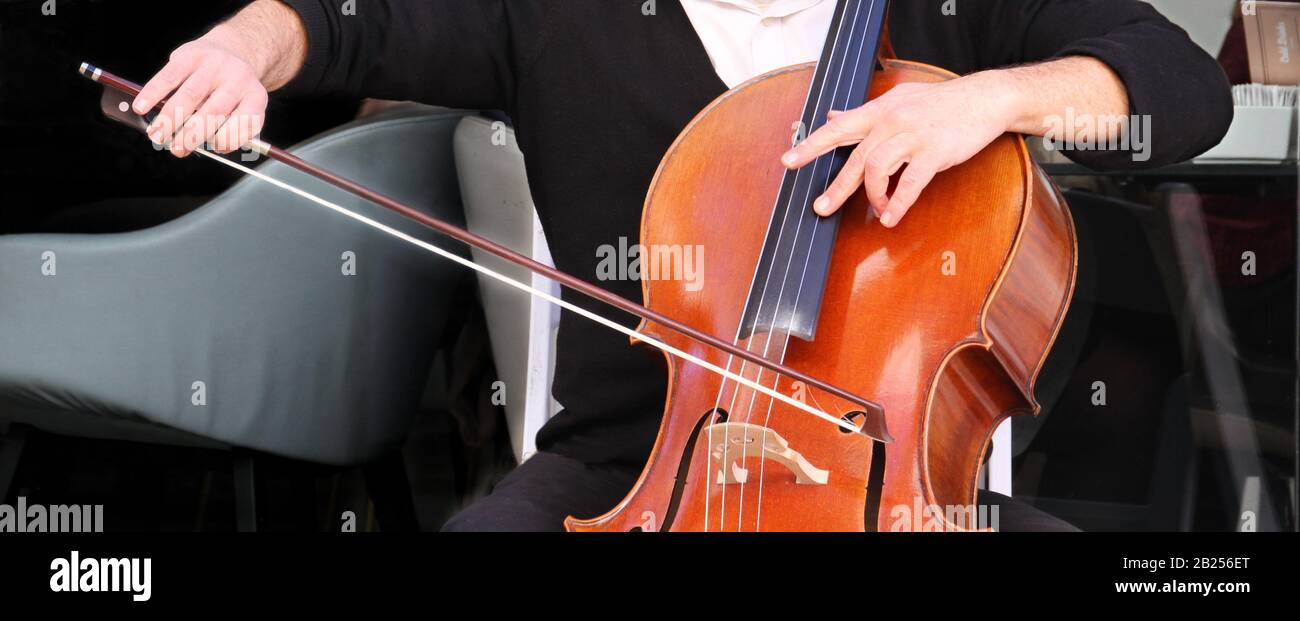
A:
x: 944, y: 321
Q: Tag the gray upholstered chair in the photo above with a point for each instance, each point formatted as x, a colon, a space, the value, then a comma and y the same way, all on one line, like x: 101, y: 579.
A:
x: 236, y: 325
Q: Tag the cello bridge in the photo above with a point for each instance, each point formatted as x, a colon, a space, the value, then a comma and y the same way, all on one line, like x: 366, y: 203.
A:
x: 733, y: 442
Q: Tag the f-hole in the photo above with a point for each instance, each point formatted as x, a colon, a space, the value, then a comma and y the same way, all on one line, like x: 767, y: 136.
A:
x: 711, y: 417
x: 876, y: 477
x: 854, y: 418
x: 875, y: 487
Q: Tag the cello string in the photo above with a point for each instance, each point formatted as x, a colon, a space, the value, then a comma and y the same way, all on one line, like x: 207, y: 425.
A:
x: 842, y: 14
x: 794, y: 249
x: 656, y: 343
x: 808, y: 253
x: 722, y: 388
x: 803, y: 277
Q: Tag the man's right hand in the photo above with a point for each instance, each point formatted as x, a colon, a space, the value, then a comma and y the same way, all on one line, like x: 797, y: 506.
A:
x: 216, y: 86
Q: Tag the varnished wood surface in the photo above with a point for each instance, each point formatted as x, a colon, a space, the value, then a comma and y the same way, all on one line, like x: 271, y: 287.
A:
x: 948, y: 356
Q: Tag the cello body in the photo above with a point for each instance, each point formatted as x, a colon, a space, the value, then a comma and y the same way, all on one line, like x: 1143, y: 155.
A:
x: 944, y: 320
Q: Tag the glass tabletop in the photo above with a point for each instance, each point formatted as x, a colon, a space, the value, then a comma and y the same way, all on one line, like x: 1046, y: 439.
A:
x: 1170, y: 399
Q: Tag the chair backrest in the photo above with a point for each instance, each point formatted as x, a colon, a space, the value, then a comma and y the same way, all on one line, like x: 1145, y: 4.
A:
x: 258, y: 320
x: 499, y: 206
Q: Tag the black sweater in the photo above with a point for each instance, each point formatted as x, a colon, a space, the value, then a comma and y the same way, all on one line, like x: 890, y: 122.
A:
x: 598, y: 91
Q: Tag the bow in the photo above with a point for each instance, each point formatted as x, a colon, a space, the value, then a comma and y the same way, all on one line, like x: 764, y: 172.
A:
x: 116, y: 104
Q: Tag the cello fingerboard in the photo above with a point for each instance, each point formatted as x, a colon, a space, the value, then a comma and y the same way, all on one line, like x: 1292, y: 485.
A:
x: 789, y: 282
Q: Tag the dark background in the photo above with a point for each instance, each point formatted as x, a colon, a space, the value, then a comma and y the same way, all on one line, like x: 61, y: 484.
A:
x: 61, y: 162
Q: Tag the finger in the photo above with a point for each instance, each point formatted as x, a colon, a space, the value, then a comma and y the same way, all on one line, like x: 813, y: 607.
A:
x: 209, y: 118
x: 851, y: 176
x: 915, y: 179
x: 164, y: 82
x: 844, y: 129
x: 182, y: 104
x: 845, y: 185
x: 882, y: 164
x: 244, y: 124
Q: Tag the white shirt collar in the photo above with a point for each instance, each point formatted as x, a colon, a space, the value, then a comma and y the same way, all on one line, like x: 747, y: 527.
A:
x: 745, y: 38
x: 771, y: 8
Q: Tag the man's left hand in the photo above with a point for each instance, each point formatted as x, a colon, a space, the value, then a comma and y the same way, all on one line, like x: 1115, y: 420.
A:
x: 928, y: 128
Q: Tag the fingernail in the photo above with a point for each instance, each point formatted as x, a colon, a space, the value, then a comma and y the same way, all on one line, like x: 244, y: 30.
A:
x: 887, y: 219
x: 789, y: 158
x: 139, y: 107
x: 821, y: 204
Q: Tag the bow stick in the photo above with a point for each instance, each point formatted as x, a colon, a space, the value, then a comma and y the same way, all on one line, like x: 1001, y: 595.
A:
x: 872, y: 426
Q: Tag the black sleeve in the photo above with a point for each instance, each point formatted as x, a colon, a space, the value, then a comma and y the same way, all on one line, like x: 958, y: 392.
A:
x: 457, y: 53
x: 1168, y: 77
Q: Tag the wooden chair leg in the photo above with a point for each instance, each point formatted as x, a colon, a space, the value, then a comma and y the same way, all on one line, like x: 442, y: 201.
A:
x: 245, y: 492
x: 274, y: 494
x: 11, y: 452
x: 390, y: 491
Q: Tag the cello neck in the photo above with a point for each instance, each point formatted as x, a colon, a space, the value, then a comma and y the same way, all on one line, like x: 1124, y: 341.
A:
x: 796, y: 255
x: 848, y: 59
